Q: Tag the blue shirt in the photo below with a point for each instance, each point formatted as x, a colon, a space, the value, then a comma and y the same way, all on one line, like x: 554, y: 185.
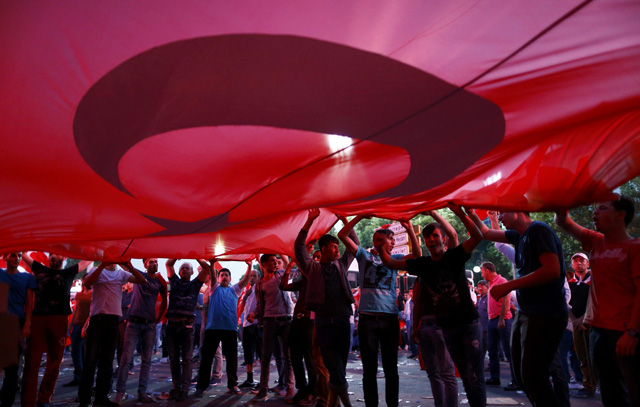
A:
x: 223, y: 305
x: 547, y: 299
x: 19, y: 283
x: 377, y: 283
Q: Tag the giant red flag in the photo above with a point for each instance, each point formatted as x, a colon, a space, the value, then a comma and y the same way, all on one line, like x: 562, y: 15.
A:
x: 184, y: 129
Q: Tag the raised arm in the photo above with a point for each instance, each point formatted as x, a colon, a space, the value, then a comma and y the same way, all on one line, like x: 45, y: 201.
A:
x: 302, y: 255
x: 136, y: 276
x: 489, y: 234
x: 163, y: 299
x: 416, y: 250
x: 91, y: 278
x: 385, y: 256
x: 563, y: 220
x: 344, y: 233
x: 27, y: 259
x: 170, y: 266
x: 452, y: 235
x: 475, y: 236
x: 247, y: 274
x: 207, y: 271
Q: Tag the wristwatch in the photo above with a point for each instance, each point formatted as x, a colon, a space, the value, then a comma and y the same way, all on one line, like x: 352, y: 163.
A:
x: 634, y: 333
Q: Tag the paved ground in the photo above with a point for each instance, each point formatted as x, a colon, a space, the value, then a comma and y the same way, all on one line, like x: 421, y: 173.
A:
x: 414, y: 388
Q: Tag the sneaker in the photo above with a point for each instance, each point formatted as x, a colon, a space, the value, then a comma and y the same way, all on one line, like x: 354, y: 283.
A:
x: 512, y: 387
x: 277, y: 388
x: 144, y: 398
x: 492, y: 382
x: 288, y: 396
x: 215, y: 382
x: 575, y: 386
x: 72, y: 383
x: 308, y: 400
x: 583, y: 393
x: 118, y: 397
x: 300, y: 395
x: 412, y: 356
x: 235, y: 390
x: 246, y: 384
x: 255, y: 389
x: 164, y: 360
x: 198, y: 393
x: 173, y: 394
x: 260, y: 397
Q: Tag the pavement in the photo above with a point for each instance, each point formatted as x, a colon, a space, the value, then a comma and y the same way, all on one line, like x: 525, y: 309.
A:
x: 414, y: 387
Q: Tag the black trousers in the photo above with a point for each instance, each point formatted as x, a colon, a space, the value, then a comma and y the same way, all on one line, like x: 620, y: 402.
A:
x: 212, y: 339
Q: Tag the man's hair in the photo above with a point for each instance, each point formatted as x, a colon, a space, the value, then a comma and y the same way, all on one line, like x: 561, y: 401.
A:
x: 258, y: 273
x: 326, y: 240
x: 387, y: 232
x: 483, y: 282
x: 489, y: 266
x: 624, y: 203
x: 265, y: 258
x: 429, y: 228
x: 225, y: 270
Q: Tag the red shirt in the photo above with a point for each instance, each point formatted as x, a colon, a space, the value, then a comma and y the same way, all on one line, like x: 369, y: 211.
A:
x: 614, y: 267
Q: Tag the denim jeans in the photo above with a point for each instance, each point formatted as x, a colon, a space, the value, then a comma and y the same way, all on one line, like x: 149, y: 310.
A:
x: 619, y: 376
x: 301, y: 349
x: 271, y: 331
x: 495, y: 338
x: 212, y: 340
x: 179, y: 343
x: 534, y: 344
x: 379, y: 331
x: 77, y: 351
x: 464, y: 343
x: 101, y: 343
x: 438, y: 364
x: 334, y: 342
x: 146, y: 334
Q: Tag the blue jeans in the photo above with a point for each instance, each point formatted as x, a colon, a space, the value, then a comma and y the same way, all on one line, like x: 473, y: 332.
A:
x: 179, y: 343
x: 495, y: 337
x: 619, y: 376
x: 77, y: 351
x: 271, y: 331
x: 379, y: 331
x: 146, y: 333
x: 333, y: 339
x: 438, y: 364
x: 465, y: 347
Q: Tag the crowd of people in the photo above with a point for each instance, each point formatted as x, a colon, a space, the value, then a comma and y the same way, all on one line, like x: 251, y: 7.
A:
x: 536, y: 320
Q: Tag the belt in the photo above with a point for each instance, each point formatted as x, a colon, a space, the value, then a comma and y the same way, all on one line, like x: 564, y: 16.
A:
x: 183, y: 322
x: 287, y: 318
x: 138, y: 320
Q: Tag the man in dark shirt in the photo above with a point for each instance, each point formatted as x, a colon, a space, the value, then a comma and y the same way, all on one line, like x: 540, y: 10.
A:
x: 181, y: 316
x: 542, y: 308
x: 48, y: 326
x: 330, y: 297
x: 443, y: 276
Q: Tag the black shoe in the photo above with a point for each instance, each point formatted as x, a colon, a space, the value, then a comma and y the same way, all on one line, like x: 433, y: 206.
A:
x: 512, y: 387
x: 105, y: 403
x: 246, y: 384
x: 412, y: 356
x: 72, y: 383
x: 583, y: 394
x: 493, y: 382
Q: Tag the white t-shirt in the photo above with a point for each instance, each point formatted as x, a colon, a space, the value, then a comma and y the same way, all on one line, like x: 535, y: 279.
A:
x: 107, y: 292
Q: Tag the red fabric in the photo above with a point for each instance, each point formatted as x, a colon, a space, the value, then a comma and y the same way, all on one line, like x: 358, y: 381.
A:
x: 194, y: 129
